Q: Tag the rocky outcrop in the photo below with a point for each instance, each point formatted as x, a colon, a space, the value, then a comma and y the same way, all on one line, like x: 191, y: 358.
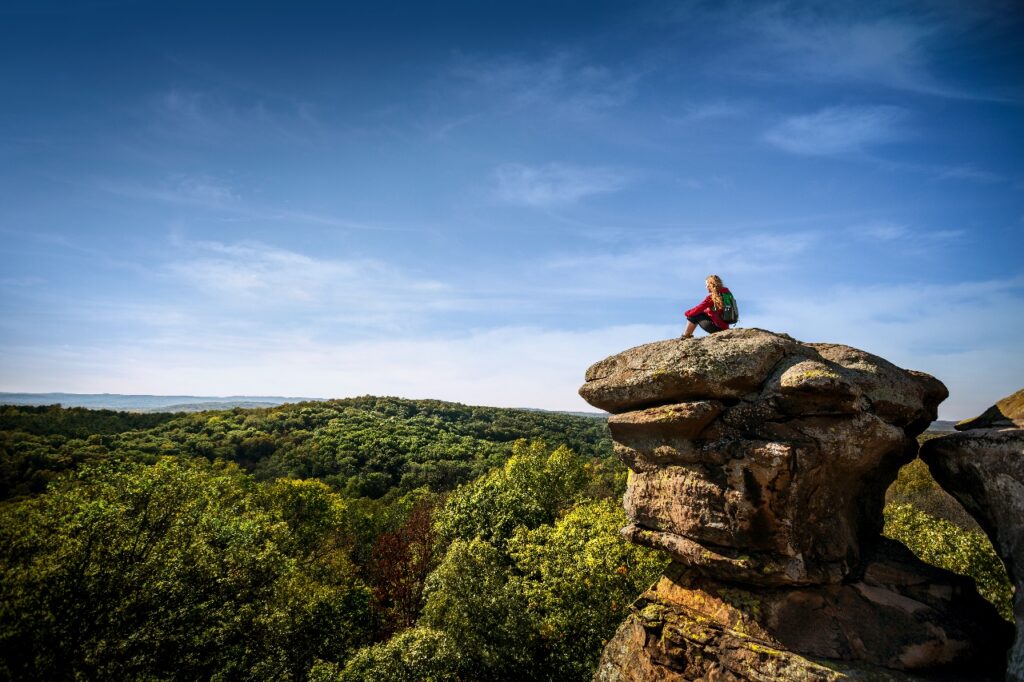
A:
x: 901, y: 620
x: 983, y: 468
x: 1007, y: 413
x: 759, y: 464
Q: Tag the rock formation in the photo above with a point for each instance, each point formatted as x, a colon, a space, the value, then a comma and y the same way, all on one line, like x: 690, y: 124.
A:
x: 1007, y: 413
x: 983, y: 468
x: 759, y: 464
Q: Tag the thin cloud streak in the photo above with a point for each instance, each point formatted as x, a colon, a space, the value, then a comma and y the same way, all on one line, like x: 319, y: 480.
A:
x: 852, y: 46
x: 909, y: 241
x: 746, y: 253
x: 554, y: 184
x: 880, y: 231
x: 562, y: 84
x: 705, y: 111
x: 202, y: 191
x: 971, y: 173
x: 837, y: 130
x: 212, y: 194
x: 280, y: 277
x: 193, y: 116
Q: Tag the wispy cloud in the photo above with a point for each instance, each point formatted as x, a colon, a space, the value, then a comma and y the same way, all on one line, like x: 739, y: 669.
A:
x: 971, y: 173
x: 857, y: 44
x: 189, y: 109
x: 881, y: 231
x: 837, y: 130
x: 563, y: 83
x: 893, y: 235
x: 215, y: 194
x: 704, y: 111
x: 21, y: 282
x: 200, y: 117
x: 660, y: 268
x: 249, y: 272
x: 555, y: 184
x: 200, y: 190
x: 883, y: 51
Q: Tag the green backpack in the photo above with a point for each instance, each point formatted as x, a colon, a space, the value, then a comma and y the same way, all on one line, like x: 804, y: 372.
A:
x: 730, y: 311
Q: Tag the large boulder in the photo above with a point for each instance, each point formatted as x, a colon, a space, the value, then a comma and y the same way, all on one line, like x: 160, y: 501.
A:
x: 901, y: 620
x: 759, y: 464
x: 757, y: 457
x: 983, y: 468
x: 731, y: 364
x: 679, y: 369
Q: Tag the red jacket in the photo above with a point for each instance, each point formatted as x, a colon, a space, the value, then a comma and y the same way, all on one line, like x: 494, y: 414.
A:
x: 706, y: 306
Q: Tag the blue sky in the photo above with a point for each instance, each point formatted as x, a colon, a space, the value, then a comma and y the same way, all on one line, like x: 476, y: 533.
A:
x: 475, y: 201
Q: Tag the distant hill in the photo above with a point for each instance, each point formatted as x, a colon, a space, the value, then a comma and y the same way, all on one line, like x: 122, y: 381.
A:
x: 227, y: 405
x: 588, y: 415
x: 147, y: 403
x: 193, y: 403
x: 366, y: 446
x: 185, y: 403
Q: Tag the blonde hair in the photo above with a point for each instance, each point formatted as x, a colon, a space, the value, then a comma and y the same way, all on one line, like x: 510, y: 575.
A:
x: 714, y: 285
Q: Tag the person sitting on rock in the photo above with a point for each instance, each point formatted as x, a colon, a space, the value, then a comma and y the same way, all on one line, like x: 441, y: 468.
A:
x: 707, y: 312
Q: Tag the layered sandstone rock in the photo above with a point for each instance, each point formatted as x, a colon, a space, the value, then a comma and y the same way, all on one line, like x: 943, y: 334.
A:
x: 983, y: 468
x: 760, y: 464
x: 901, y: 620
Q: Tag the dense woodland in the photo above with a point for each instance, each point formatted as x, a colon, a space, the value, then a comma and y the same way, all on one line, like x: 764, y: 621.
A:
x: 361, y: 447
x: 362, y: 539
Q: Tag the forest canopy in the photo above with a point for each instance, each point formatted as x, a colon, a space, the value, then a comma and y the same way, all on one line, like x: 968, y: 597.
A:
x: 363, y: 447
x: 361, y: 539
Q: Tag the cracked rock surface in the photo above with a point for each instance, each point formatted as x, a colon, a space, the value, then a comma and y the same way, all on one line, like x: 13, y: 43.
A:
x: 759, y: 464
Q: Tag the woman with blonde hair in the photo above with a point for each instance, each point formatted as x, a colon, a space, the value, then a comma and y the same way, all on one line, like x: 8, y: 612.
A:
x: 707, y: 313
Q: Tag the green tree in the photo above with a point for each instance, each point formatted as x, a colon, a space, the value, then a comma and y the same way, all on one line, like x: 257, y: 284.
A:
x: 527, y: 491
x: 470, y: 598
x: 536, y: 577
x: 316, y: 517
x: 578, y: 577
x: 946, y: 545
x: 180, y: 570
x: 915, y: 486
x: 420, y: 654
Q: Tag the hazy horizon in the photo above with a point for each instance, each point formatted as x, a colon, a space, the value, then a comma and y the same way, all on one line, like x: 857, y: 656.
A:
x: 474, y: 203
x: 22, y: 399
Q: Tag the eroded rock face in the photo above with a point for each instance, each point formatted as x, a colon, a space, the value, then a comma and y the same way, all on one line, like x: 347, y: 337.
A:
x: 901, y: 615
x: 983, y: 468
x: 756, y: 457
x: 759, y: 464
